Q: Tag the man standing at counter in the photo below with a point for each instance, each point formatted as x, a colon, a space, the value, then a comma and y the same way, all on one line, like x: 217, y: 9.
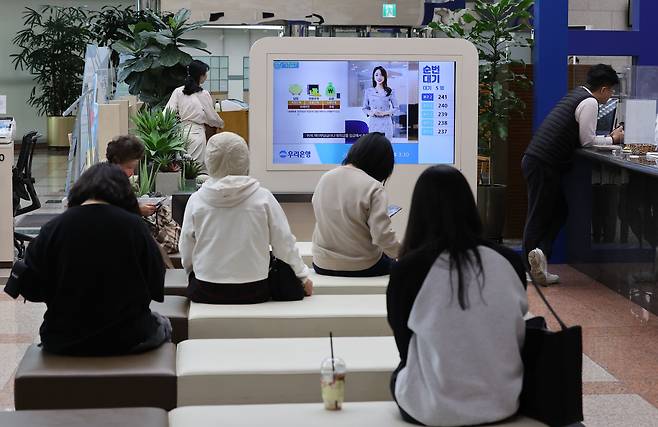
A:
x: 568, y: 127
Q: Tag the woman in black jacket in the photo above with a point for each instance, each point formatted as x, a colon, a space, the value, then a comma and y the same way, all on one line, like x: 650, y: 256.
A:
x: 97, y: 268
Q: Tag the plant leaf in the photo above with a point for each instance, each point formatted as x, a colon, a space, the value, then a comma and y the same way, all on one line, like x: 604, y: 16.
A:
x: 170, y: 56
x: 142, y: 64
x: 197, y: 44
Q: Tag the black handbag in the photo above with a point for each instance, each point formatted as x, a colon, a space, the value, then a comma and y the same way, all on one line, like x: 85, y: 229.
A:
x: 284, y: 284
x: 553, y: 371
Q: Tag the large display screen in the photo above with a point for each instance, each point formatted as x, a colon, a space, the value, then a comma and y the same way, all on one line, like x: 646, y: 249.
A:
x: 322, y: 107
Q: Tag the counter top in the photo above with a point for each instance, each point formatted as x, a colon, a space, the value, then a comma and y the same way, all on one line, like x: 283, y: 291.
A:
x: 643, y: 164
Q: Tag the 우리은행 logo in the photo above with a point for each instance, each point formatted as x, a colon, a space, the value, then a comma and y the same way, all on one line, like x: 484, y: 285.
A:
x: 283, y: 154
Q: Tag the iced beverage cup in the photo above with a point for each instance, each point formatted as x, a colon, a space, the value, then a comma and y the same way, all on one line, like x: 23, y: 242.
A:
x: 332, y: 383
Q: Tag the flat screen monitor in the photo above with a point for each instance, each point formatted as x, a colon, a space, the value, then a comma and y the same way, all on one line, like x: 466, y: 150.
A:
x: 311, y: 98
x: 321, y: 107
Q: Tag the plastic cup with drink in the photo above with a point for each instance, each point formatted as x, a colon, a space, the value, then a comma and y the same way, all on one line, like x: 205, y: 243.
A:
x: 332, y: 380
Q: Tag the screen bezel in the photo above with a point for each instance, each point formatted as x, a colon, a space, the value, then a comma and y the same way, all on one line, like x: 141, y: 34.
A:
x: 415, y: 57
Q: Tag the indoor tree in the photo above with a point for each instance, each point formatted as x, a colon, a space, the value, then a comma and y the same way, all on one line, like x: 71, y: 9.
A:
x: 110, y: 22
x: 494, y: 28
x: 52, y: 48
x: 156, y: 65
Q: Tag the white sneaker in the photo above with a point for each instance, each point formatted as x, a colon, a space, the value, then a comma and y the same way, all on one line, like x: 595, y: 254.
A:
x: 552, y: 279
x: 539, y: 268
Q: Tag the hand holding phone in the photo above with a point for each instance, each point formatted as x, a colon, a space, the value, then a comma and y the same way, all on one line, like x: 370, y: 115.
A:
x: 393, y: 209
x: 617, y: 135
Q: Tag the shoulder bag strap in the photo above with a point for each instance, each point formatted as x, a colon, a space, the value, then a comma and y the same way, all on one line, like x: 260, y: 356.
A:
x: 563, y: 326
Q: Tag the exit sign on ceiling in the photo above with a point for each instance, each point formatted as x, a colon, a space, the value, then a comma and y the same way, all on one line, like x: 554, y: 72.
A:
x: 389, y: 10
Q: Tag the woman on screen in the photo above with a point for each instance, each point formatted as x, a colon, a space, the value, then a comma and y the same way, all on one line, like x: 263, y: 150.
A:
x: 353, y: 233
x: 380, y: 103
x: 196, y: 111
x: 456, y: 304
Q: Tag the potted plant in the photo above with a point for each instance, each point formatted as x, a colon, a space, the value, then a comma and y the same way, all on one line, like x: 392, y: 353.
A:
x: 52, y: 49
x: 494, y: 28
x: 191, y: 169
x: 164, y: 147
x: 156, y: 64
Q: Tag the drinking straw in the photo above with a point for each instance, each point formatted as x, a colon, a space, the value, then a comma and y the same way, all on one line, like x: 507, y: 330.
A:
x: 331, y: 343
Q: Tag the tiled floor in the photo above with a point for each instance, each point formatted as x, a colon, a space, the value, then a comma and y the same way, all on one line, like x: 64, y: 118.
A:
x: 620, y: 339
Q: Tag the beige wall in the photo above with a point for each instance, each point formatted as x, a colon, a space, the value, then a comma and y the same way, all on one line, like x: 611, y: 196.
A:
x: 232, y: 43
x: 599, y: 14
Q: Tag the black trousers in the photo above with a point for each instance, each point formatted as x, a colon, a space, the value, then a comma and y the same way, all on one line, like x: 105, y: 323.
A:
x: 381, y: 268
x: 280, y: 285
x: 227, y: 293
x: 547, y: 206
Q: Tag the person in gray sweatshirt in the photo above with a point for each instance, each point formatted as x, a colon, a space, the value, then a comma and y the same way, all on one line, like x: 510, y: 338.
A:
x: 456, y: 305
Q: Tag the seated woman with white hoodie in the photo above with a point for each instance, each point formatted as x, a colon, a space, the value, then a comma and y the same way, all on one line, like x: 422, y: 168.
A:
x: 228, y: 228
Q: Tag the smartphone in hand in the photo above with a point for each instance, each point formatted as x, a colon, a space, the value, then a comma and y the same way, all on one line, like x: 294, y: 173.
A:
x: 393, y: 209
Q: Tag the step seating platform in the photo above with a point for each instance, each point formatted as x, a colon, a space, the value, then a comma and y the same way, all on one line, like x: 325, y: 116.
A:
x: 316, y: 316
x: 282, y: 370
x: 305, y: 251
x: 117, y: 417
x: 335, y: 285
x: 176, y: 284
x: 177, y: 309
x: 353, y: 414
x: 49, y: 381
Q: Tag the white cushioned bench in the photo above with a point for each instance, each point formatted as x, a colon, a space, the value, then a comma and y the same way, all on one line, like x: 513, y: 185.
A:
x: 176, y: 284
x: 285, y: 370
x: 316, y: 316
x: 305, y: 251
x: 353, y: 414
x: 335, y: 285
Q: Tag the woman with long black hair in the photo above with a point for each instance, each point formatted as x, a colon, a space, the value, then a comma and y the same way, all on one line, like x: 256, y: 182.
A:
x: 195, y: 108
x: 380, y: 103
x: 456, y: 305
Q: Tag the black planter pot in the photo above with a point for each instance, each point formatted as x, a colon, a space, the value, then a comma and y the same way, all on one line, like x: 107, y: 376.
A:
x: 491, y: 204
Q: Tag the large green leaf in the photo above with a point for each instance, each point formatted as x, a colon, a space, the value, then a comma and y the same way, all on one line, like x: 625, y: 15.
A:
x: 186, y: 59
x: 158, y: 37
x: 197, y: 44
x: 181, y: 17
x: 468, y: 18
x: 143, y: 26
x: 129, y: 35
x: 170, y: 56
x: 142, y: 64
x: 124, y: 73
x: 123, y: 48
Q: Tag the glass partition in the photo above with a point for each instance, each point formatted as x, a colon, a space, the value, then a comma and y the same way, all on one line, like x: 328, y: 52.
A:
x: 640, y: 105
